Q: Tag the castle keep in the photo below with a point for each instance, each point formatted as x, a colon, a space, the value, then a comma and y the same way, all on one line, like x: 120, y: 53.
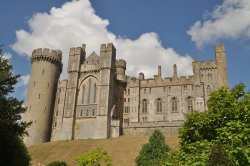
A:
x: 98, y: 100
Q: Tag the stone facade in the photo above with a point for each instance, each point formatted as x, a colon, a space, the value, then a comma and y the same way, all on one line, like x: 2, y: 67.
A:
x: 99, y: 101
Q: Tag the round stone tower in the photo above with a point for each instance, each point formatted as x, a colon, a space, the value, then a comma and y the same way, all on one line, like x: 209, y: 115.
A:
x: 45, y: 71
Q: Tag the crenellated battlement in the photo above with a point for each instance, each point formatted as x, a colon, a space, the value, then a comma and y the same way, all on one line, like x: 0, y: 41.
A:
x: 45, y: 54
x: 107, y: 47
x: 206, y: 64
x: 120, y: 63
x: 219, y: 48
x: 77, y: 50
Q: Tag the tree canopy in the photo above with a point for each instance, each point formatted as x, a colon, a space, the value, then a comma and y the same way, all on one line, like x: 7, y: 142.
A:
x: 227, y: 121
x: 12, y: 150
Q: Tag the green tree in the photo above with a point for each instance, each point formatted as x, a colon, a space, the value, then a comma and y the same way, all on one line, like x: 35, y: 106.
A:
x: 154, y: 152
x: 96, y: 157
x: 227, y: 121
x: 12, y: 150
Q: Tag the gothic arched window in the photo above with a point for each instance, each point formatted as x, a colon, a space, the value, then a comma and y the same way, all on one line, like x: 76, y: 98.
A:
x: 144, y: 106
x: 190, y: 104
x: 158, y: 105
x: 209, y: 89
x: 174, y: 104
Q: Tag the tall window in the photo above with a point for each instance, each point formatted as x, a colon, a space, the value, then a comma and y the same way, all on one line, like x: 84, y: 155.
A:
x: 94, y: 100
x: 89, y: 92
x: 174, y: 103
x: 210, y: 76
x: 83, y: 92
x: 190, y: 104
x: 209, y: 89
x: 158, y: 105
x: 144, y: 106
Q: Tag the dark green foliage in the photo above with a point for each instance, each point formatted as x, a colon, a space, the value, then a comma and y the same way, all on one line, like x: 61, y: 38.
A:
x: 57, y: 163
x: 154, y: 152
x: 96, y: 157
x: 12, y: 150
x: 218, y: 156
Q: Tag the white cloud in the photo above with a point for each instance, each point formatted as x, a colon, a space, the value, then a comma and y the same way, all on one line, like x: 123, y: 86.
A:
x: 22, y: 83
x: 23, y: 80
x: 7, y: 55
x: 76, y: 22
x: 230, y: 20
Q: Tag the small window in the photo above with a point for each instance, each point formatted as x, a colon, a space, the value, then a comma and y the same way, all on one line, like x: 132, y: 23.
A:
x: 149, y: 90
x: 43, y: 72
x: 93, y: 112
x: 39, y: 96
x: 55, y: 123
x: 128, y: 99
x: 124, y: 99
x: 57, y: 112
x: 81, y: 112
x: 128, y: 91
x: 145, y: 90
x: 58, y: 101
x: 126, y: 120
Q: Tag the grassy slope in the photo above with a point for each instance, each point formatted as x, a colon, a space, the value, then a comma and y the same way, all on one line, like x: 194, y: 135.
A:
x: 123, y: 150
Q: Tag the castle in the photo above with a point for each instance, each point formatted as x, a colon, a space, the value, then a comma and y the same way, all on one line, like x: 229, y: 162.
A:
x: 98, y: 100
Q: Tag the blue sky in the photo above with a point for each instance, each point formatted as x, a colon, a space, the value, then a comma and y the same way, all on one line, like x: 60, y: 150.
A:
x: 145, y: 33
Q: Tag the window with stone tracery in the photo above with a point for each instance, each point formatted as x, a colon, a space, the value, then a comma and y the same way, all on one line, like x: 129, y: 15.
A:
x: 158, y: 105
x: 190, y: 104
x: 144, y: 106
x: 174, y: 104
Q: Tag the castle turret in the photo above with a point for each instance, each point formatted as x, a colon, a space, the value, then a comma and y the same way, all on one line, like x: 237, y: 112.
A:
x: 120, y: 70
x: 175, y: 71
x: 220, y: 55
x: 45, y: 71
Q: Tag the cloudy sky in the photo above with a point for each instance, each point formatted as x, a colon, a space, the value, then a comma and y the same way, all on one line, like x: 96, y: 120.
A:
x: 145, y: 33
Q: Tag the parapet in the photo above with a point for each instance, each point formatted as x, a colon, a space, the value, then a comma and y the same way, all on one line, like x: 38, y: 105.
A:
x: 107, y: 47
x: 53, y: 56
x: 77, y: 50
x: 120, y: 63
x: 219, y: 48
x: 47, y: 52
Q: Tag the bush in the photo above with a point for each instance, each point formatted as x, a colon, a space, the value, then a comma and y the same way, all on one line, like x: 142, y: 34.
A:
x: 94, y: 158
x: 218, y: 156
x: 58, y: 163
x: 154, y: 152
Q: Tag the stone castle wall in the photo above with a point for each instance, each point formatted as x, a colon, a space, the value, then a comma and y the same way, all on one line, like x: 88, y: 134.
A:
x: 98, y: 100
